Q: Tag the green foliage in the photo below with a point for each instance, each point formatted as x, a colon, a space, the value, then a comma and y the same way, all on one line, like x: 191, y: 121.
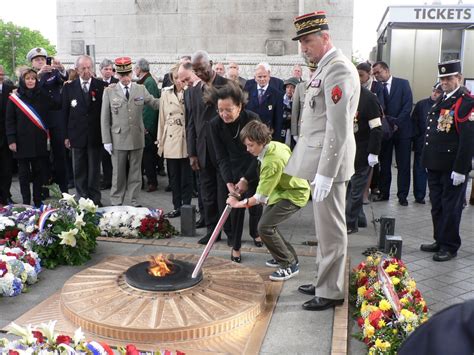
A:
x: 27, y: 40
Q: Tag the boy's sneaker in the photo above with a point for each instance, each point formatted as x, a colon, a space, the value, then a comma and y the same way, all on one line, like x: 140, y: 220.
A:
x: 272, y: 263
x: 283, y: 274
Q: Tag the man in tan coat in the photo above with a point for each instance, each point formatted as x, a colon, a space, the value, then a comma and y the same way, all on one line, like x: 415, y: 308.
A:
x: 325, y: 153
x: 123, y: 131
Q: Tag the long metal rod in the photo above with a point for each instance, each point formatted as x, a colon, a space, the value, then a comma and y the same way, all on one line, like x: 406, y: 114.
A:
x: 211, y: 241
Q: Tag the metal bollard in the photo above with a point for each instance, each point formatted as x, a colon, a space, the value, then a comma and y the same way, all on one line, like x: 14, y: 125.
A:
x: 188, y: 220
x: 393, y: 246
x: 387, y: 227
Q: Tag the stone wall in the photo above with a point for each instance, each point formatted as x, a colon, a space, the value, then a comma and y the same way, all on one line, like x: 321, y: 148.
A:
x: 162, y: 30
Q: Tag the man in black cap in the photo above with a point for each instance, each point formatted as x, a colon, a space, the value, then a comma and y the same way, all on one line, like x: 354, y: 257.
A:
x: 418, y: 116
x: 325, y: 152
x: 447, y: 154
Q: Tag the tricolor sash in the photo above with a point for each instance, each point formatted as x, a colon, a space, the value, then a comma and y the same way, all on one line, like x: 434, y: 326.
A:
x: 30, y: 113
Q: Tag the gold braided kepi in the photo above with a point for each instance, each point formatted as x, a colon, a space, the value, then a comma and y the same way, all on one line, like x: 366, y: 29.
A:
x: 123, y: 65
x: 310, y: 23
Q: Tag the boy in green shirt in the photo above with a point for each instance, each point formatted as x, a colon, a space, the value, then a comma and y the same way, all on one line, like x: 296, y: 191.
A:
x: 283, y: 194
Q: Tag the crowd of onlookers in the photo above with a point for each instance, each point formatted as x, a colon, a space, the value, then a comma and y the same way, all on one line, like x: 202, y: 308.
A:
x: 98, y: 131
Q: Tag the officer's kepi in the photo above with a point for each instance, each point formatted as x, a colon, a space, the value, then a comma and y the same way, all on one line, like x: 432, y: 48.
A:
x: 452, y: 67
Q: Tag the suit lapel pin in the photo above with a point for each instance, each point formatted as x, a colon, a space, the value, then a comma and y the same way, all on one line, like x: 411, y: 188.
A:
x: 73, y: 103
x: 270, y: 107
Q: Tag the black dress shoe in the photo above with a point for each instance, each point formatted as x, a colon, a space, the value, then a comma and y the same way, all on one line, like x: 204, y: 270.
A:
x: 168, y: 188
x: 320, y: 304
x: 430, y: 248
x: 307, y: 289
x: 235, y: 259
x: 421, y: 201
x: 380, y: 198
x: 204, y: 240
x: 352, y: 230
x: 444, y: 255
x: 173, y: 214
x: 200, y: 223
x: 258, y: 243
x: 105, y: 186
x: 403, y: 202
x: 362, y: 224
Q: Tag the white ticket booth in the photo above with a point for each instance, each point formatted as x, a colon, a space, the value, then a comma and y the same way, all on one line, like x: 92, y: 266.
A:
x: 413, y: 39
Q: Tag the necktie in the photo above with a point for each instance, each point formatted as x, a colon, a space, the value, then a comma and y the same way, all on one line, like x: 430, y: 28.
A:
x: 127, y: 94
x: 84, y: 87
x: 385, y: 92
x: 260, y: 95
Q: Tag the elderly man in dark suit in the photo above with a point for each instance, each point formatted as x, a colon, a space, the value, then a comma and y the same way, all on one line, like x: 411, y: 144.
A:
x: 5, y: 154
x: 201, y: 151
x: 81, y: 107
x: 266, y: 102
x: 398, y: 100
x: 274, y: 82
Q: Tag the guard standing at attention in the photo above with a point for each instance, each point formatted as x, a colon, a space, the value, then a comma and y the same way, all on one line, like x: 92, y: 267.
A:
x: 447, y: 154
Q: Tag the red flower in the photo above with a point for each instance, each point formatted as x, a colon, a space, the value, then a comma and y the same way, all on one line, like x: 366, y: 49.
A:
x: 374, y: 318
x: 360, y: 322
x: 131, y: 350
x: 13, y: 352
x: 63, y: 339
x: 39, y: 336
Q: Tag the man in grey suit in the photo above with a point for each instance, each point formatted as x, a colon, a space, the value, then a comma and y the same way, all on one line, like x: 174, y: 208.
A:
x: 325, y: 152
x: 123, y: 131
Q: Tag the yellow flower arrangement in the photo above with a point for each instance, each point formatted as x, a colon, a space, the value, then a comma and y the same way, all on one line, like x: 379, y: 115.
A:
x: 384, y: 305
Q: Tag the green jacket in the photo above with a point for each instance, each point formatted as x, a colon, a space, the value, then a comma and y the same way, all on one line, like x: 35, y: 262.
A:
x: 274, y: 183
x: 150, y: 116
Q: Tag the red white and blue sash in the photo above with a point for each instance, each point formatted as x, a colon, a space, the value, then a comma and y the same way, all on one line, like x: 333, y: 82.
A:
x: 30, y: 113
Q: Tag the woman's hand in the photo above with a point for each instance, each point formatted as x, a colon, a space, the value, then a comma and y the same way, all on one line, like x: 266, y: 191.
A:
x: 12, y: 147
x: 233, y: 202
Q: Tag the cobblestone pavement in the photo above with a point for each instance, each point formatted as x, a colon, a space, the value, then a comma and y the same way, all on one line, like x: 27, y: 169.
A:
x: 442, y: 284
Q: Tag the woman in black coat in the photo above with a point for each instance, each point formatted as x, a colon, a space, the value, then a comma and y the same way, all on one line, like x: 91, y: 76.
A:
x: 27, y: 141
x: 233, y: 160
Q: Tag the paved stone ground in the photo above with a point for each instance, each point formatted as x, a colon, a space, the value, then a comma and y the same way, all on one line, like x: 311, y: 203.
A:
x: 293, y: 330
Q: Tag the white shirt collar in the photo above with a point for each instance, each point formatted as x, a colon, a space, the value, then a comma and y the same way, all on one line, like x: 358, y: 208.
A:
x: 262, y: 153
x: 332, y: 50
x: 264, y: 88
x: 88, y: 82
x: 448, y: 95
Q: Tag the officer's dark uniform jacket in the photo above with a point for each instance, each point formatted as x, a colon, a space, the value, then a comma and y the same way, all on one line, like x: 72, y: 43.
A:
x: 367, y: 128
x: 449, y: 138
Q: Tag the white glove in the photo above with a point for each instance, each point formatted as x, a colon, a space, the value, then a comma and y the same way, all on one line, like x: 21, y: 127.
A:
x: 373, y: 160
x: 322, y: 186
x: 295, y: 138
x: 108, y: 148
x: 458, y: 179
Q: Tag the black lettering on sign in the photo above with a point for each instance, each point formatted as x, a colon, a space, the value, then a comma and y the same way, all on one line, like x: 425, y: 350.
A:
x: 431, y: 14
x: 467, y: 14
x: 442, y: 14
x: 417, y: 13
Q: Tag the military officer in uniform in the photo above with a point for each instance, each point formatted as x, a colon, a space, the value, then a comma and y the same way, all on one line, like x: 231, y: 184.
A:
x: 123, y: 132
x: 324, y: 153
x: 447, y: 154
